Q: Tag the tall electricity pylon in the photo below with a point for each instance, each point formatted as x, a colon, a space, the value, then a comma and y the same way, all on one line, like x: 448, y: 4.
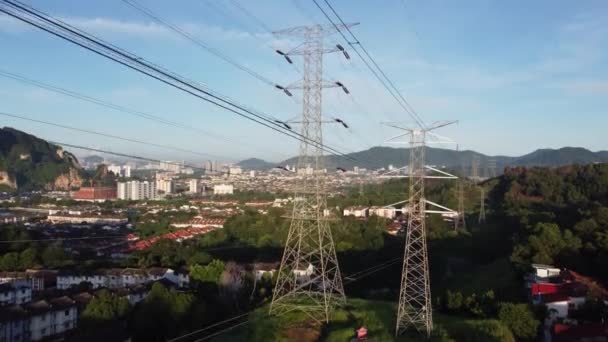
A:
x: 460, y: 221
x: 482, y: 206
x: 309, y: 277
x: 475, y: 161
x: 414, y: 309
x: 491, y: 165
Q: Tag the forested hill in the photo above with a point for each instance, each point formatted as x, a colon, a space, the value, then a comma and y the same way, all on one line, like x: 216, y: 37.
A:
x: 553, y: 216
x: 30, y: 163
x: 378, y: 157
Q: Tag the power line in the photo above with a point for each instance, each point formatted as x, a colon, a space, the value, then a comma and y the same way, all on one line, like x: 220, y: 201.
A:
x: 259, y: 22
x: 119, y: 108
x: 390, y: 87
x: 118, y: 154
x: 62, y: 30
x: 100, y: 102
x: 368, y: 271
x: 146, y: 11
x: 107, y: 135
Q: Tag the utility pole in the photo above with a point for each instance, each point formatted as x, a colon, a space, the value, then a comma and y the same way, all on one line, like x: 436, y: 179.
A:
x: 309, y: 278
x: 482, y: 206
x: 414, y: 309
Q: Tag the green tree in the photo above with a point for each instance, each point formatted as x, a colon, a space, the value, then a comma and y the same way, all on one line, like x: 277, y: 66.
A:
x: 545, y: 244
x: 10, y: 261
x: 105, y: 306
x: 520, y: 320
x: 162, y: 314
x: 207, y: 274
x: 28, y: 258
x: 54, y: 256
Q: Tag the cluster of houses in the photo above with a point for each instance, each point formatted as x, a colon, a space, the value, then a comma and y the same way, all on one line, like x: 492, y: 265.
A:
x: 27, y: 314
x: 116, y: 278
x: 563, y: 292
x: 364, y: 211
x: 185, y: 231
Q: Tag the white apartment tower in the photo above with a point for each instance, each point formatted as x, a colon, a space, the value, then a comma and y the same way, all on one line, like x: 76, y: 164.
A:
x: 136, y: 190
x: 193, y: 186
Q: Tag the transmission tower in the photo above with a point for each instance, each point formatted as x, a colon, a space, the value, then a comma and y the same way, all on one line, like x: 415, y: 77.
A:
x: 309, y: 277
x: 482, y: 206
x: 414, y: 309
x: 491, y: 165
x: 460, y: 221
x: 475, y: 168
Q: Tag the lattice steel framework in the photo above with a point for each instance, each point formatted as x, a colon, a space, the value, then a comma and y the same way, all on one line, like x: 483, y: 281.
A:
x: 482, y: 206
x: 309, y: 277
x: 475, y: 161
x: 460, y: 220
x: 415, y: 295
x: 414, y: 310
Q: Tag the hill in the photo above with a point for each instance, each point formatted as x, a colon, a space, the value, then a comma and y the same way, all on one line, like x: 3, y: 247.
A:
x: 379, y: 157
x: 255, y: 164
x: 29, y: 163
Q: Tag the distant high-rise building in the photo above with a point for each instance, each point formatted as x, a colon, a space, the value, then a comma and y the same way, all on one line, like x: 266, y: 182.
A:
x: 136, y: 190
x: 126, y: 170
x: 223, y: 189
x: 208, y: 165
x: 235, y: 170
x: 165, y: 185
x: 252, y: 174
x: 193, y: 186
x: 120, y: 171
x: 115, y: 169
x: 170, y: 166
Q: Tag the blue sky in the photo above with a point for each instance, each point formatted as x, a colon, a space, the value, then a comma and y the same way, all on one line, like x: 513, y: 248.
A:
x: 518, y: 75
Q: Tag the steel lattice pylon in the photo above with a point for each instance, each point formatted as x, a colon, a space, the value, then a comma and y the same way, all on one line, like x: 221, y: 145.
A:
x: 415, y: 296
x: 460, y: 220
x: 482, y: 205
x: 414, y: 310
x: 309, y: 277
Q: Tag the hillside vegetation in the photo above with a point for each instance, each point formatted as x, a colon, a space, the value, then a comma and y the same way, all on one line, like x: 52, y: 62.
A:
x: 30, y: 163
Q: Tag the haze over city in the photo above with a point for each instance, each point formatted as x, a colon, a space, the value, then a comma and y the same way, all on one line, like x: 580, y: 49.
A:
x: 517, y: 77
x: 303, y: 170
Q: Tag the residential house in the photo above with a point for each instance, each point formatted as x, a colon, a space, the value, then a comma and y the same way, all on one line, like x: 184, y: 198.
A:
x: 15, y: 293
x: 356, y: 211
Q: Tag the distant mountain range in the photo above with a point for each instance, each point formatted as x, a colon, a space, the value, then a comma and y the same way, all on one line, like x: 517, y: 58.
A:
x: 379, y: 157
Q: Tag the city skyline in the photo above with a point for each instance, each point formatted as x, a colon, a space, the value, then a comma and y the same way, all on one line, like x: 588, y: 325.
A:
x: 506, y: 72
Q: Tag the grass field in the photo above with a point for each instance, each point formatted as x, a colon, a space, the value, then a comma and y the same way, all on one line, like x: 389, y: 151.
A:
x: 377, y: 316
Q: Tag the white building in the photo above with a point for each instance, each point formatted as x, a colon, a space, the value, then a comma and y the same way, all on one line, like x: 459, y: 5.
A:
x: 193, y: 186
x: 19, y: 292
x: 120, y: 278
x: 121, y: 171
x: 223, y: 189
x: 252, y: 174
x: 382, y: 212
x: 136, y: 190
x: 357, y: 211
x: 126, y: 171
x: 170, y: 166
x: 166, y: 186
x: 50, y: 318
x: 235, y: 170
